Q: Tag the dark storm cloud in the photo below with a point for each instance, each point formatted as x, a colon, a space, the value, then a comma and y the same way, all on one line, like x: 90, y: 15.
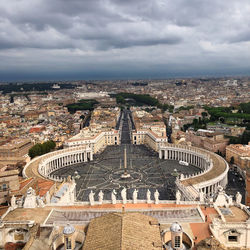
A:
x: 85, y: 19
x: 148, y: 32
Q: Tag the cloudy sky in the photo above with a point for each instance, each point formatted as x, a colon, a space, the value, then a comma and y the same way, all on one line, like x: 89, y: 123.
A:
x: 95, y: 39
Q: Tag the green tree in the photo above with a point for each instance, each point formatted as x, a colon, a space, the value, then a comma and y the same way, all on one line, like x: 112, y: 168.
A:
x: 245, y: 138
x: 40, y: 149
x: 204, y: 115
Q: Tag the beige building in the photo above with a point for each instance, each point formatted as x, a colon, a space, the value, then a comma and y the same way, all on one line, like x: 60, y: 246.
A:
x: 149, y: 226
x: 149, y: 128
x: 15, y: 151
x: 209, y: 140
x: 238, y: 154
x: 148, y: 137
x: 247, y: 194
x: 97, y: 140
x: 8, y: 182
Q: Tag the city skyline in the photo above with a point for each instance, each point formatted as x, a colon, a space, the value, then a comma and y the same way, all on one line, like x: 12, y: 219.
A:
x: 42, y: 40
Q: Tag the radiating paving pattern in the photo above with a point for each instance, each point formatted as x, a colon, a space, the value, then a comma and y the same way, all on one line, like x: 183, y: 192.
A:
x: 162, y: 215
x: 146, y: 169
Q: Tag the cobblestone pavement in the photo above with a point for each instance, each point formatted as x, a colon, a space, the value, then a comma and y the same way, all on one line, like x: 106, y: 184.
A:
x: 147, y: 171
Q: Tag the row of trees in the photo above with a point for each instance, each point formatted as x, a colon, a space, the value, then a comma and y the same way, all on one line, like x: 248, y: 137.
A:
x: 26, y: 87
x: 226, y: 112
x: 40, y: 149
x: 82, y: 105
x: 243, y: 139
x: 141, y: 100
x: 245, y: 107
x: 200, y: 123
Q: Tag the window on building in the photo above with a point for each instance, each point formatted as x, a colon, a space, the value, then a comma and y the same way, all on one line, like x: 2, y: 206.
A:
x: 4, y: 187
x: 68, y: 244
x: 177, y: 241
x: 232, y: 238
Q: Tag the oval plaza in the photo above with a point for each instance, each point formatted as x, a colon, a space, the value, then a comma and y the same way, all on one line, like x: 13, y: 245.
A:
x: 98, y: 162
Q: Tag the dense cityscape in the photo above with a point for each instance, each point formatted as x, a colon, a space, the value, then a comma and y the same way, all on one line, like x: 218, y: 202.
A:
x: 147, y: 145
x: 124, y: 125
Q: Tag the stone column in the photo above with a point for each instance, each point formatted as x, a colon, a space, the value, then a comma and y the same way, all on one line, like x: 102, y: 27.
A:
x: 160, y: 154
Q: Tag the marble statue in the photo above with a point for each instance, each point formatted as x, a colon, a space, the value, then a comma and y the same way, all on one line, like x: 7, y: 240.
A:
x: 40, y: 201
x: 30, y: 199
x: 100, y: 195
x: 238, y: 197
x: 222, y: 198
x: 113, y: 196
x: 135, y: 193
x: 13, y: 202
x: 219, y: 188
x: 124, y: 195
x: 201, y: 194
x: 156, y: 195
x: 91, y: 198
x: 148, y: 196
x: 178, y: 197
x: 47, y: 198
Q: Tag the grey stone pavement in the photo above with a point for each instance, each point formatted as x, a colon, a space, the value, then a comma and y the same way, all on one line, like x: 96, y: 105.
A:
x: 146, y: 169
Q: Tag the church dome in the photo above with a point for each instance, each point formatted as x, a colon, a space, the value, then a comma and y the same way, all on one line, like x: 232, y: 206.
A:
x: 175, y: 227
x: 69, y: 229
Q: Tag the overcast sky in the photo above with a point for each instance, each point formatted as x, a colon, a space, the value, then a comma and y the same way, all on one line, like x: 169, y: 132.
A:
x: 95, y: 39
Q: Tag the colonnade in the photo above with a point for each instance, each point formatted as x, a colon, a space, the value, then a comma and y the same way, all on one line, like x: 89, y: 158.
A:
x: 64, y: 158
x: 196, y: 159
x: 211, y: 189
x: 201, y: 159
